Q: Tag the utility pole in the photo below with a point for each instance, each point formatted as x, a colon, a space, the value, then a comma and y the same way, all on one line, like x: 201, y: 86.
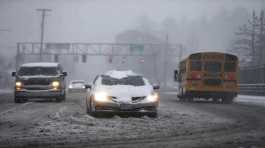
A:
x: 43, y: 15
x: 165, y: 61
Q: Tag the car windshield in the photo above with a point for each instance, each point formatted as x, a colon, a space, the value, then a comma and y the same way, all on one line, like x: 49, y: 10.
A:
x: 78, y: 82
x: 31, y: 71
x: 130, y: 80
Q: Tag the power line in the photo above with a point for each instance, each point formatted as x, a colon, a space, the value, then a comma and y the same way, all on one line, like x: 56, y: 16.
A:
x: 43, y: 15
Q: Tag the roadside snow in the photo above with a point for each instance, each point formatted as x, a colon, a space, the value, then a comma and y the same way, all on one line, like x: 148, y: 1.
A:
x: 257, y: 100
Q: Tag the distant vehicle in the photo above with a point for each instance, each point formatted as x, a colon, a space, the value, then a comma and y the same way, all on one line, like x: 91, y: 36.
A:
x: 39, y: 80
x: 208, y: 75
x: 122, y: 92
x: 76, y: 86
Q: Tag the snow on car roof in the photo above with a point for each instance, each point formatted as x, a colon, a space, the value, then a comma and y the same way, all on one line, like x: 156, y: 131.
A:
x: 118, y: 74
x: 40, y: 64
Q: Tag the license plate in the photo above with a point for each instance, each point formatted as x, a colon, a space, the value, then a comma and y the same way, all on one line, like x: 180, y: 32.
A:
x: 126, y: 107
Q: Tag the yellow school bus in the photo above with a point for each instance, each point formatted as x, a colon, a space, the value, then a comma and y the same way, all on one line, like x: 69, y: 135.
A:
x: 208, y: 75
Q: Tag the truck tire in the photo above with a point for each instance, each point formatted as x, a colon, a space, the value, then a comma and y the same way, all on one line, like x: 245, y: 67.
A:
x: 17, y: 100
x: 61, y: 98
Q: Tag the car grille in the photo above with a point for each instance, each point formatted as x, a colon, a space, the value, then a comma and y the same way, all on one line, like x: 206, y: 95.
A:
x: 36, y: 88
x: 137, y: 99
x: 212, y: 82
x: 37, y: 81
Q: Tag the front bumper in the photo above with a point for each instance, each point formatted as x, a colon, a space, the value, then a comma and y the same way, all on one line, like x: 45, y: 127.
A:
x: 210, y: 94
x: 76, y: 90
x: 116, y: 107
x: 38, y: 93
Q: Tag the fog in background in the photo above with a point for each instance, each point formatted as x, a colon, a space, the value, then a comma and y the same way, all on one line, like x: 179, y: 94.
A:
x: 196, y: 24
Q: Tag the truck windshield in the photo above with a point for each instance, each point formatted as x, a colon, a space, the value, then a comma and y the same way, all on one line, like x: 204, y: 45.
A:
x: 30, y: 71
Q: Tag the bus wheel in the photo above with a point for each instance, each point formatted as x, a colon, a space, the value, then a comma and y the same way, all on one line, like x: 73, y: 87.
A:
x: 181, y: 98
x: 216, y: 100
x: 190, y: 99
x: 227, y: 100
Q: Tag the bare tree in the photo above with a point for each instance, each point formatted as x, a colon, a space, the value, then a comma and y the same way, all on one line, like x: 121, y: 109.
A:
x: 250, y: 38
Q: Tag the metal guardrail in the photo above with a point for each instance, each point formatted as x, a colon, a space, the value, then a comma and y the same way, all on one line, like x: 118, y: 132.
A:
x: 252, y: 89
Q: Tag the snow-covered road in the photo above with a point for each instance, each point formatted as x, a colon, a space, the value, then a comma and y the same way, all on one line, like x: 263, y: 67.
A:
x: 198, y: 124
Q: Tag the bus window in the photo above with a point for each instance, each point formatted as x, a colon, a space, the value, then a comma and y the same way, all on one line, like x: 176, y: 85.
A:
x: 183, y: 67
x: 196, y: 56
x: 212, y: 67
x: 229, y: 67
x: 196, y: 66
x: 230, y: 58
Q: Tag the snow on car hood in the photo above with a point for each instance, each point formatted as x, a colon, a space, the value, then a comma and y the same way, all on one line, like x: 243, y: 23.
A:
x: 124, y: 93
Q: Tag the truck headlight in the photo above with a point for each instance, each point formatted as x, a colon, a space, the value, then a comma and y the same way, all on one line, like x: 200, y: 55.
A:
x: 153, y: 97
x: 55, y: 84
x: 101, y: 97
x: 18, y: 84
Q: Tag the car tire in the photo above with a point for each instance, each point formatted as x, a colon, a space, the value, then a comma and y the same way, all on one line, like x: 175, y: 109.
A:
x: 58, y: 99
x: 64, y: 97
x: 153, y: 115
x: 92, y: 110
x: 87, y: 108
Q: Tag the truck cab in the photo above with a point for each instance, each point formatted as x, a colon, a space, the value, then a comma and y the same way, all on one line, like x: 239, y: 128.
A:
x: 39, y: 80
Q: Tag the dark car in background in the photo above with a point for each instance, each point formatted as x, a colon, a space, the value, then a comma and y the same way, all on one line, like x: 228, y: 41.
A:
x: 39, y: 80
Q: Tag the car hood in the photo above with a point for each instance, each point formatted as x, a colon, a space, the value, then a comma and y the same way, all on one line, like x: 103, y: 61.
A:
x: 124, y: 93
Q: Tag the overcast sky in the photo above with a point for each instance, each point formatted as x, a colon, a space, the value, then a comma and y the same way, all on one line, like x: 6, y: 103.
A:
x: 97, y: 20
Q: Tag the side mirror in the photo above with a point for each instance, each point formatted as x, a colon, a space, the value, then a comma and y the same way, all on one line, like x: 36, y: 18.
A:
x: 14, y: 74
x: 156, y: 87
x: 176, y: 74
x: 88, y: 86
x: 65, y: 74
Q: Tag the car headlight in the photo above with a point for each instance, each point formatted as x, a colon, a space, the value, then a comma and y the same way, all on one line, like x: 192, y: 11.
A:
x: 153, y: 97
x: 70, y: 86
x: 56, y: 84
x: 101, y: 97
x: 18, y: 84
